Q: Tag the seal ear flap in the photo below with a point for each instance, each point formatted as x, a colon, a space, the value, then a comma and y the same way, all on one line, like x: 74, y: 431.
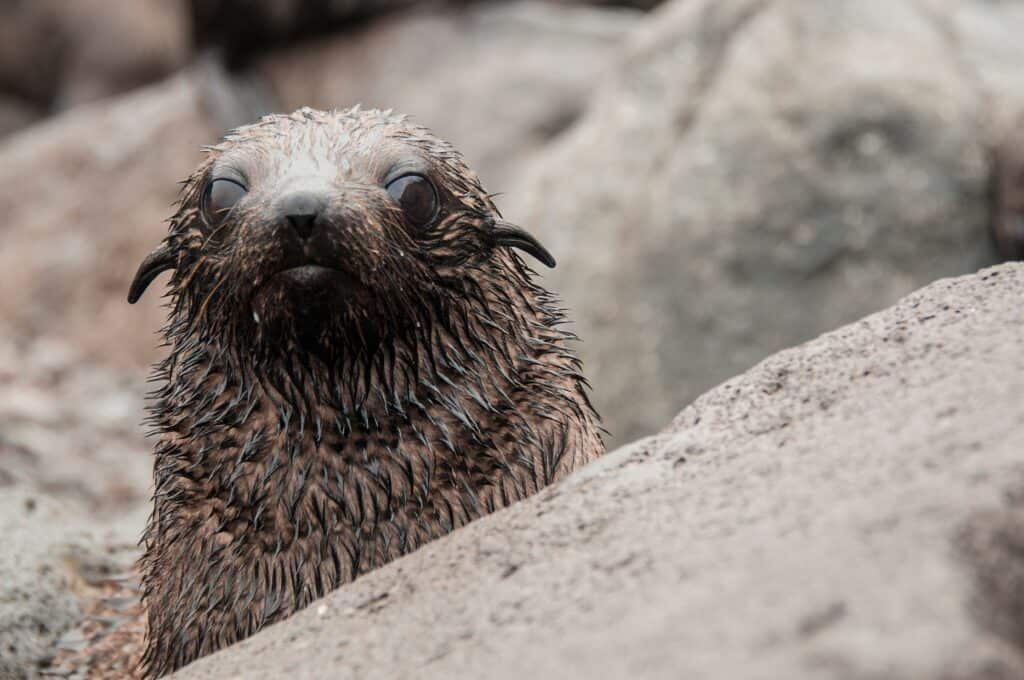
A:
x: 507, y: 234
x: 158, y: 261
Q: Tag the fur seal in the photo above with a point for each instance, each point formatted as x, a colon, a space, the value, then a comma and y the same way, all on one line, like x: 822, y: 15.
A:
x: 360, y: 362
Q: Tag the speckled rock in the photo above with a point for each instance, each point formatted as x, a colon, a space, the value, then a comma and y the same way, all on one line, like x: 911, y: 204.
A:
x: 51, y: 562
x: 72, y: 428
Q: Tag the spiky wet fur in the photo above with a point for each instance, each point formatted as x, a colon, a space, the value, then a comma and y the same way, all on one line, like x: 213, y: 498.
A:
x: 290, y: 461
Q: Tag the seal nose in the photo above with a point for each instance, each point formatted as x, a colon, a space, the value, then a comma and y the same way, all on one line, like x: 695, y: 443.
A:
x: 302, y: 209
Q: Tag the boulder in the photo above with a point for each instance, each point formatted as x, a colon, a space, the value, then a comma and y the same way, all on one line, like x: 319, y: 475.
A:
x: 85, y: 196
x: 510, y: 77
x: 755, y: 173
x: 849, y: 508
x: 58, y: 53
x: 15, y: 114
x: 240, y: 29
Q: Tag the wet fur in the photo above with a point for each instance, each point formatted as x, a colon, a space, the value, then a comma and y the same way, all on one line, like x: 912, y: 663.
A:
x: 304, y: 438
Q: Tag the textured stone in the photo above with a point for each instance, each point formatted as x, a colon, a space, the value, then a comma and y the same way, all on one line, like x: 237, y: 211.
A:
x: 15, y: 114
x: 85, y: 196
x: 755, y: 173
x: 510, y: 77
x: 51, y: 562
x: 71, y: 428
x: 59, y: 53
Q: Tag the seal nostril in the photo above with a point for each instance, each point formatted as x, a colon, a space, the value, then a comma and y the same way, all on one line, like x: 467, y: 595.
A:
x: 303, y: 224
x: 301, y: 209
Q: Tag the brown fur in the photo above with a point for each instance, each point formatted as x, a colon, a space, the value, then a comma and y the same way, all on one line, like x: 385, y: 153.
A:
x: 309, y: 432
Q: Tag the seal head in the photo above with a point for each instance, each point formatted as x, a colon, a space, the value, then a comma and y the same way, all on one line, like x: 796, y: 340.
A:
x: 360, y: 362
x: 327, y: 229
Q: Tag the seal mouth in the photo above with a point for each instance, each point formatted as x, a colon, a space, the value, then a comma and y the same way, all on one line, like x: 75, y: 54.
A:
x: 309, y: 272
x: 316, y: 277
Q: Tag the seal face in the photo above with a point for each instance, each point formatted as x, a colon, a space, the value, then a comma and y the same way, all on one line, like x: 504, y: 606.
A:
x: 359, y: 362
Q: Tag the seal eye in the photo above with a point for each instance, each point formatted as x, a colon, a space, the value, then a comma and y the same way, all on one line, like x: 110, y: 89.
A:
x: 220, y: 197
x: 417, y: 197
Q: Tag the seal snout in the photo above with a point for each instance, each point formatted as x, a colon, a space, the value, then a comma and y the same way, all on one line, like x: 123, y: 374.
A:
x: 302, y: 210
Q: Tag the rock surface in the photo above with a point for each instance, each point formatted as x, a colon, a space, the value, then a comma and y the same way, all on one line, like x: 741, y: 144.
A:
x: 827, y: 514
x: 242, y: 28
x: 510, y: 77
x: 16, y: 113
x: 70, y: 428
x: 74, y: 490
x: 53, y: 560
x: 755, y: 173
x: 85, y: 196
x: 59, y: 54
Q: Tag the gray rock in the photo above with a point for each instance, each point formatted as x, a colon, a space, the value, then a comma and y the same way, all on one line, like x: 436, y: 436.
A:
x: 980, y: 28
x: 70, y: 428
x: 85, y: 196
x: 755, y: 173
x: 58, y: 53
x: 827, y: 514
x: 241, y: 28
x: 509, y: 78
x: 49, y: 564
x: 15, y: 114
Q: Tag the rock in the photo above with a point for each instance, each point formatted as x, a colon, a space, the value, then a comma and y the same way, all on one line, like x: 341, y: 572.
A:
x: 31, y: 50
x: 756, y: 173
x: 113, y: 47
x: 58, y: 53
x: 71, y: 428
x: 15, y: 114
x: 980, y: 27
x: 510, y: 77
x: 638, y: 4
x: 49, y: 567
x: 836, y: 511
x: 243, y: 28
x: 85, y: 196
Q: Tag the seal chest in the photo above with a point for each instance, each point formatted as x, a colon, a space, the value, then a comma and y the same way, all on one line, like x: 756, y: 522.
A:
x: 359, y: 363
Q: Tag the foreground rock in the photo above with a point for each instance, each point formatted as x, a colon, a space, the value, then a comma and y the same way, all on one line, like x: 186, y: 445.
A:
x: 510, y: 76
x: 756, y: 173
x: 827, y: 514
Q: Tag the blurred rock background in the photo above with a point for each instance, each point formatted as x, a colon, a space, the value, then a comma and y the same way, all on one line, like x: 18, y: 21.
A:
x: 719, y: 179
